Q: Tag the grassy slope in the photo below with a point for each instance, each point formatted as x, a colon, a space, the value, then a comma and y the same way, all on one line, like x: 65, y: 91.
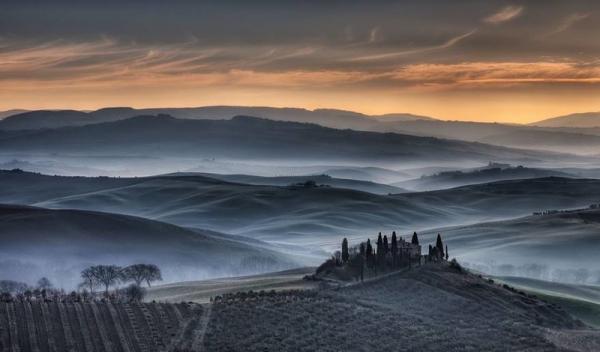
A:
x: 202, y: 291
x: 61, y: 242
x: 583, y: 302
x: 426, y: 309
x: 568, y: 240
x: 358, y: 185
x: 300, y: 214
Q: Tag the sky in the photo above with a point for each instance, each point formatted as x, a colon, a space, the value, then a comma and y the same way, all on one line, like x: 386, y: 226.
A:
x: 504, y: 61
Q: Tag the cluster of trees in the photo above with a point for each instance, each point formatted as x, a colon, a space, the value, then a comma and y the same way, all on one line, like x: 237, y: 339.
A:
x: 105, y: 276
x: 112, y: 275
x: 438, y: 253
x: 21, y: 290
x: 387, y: 254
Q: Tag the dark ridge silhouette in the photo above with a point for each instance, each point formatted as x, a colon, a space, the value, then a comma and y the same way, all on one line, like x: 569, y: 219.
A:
x: 245, y: 137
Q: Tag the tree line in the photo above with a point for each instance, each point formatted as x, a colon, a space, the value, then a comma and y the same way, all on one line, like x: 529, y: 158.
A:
x: 104, y: 276
x: 388, y: 254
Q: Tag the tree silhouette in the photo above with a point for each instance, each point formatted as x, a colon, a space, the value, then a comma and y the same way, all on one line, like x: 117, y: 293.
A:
x: 345, y: 254
x: 369, y: 253
x: 394, y: 249
x: 440, y: 246
x: 140, y: 273
x: 107, y: 275
x: 415, y: 239
x: 44, y: 284
x: 89, y: 279
x: 379, y: 247
x: 447, y: 252
x: 386, y: 246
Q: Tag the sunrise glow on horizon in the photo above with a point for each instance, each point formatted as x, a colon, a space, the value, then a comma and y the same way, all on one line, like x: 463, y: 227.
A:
x: 499, y: 61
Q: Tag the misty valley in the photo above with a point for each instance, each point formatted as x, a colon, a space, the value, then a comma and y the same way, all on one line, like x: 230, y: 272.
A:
x: 273, y: 176
x: 220, y: 213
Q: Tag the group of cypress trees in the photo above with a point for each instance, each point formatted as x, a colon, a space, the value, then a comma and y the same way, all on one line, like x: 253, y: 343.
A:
x: 438, y: 252
x: 387, y: 254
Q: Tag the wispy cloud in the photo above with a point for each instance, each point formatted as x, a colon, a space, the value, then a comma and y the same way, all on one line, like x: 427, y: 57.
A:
x: 506, y: 14
x: 447, y: 44
x: 374, y: 35
x: 497, y: 74
x: 569, y: 21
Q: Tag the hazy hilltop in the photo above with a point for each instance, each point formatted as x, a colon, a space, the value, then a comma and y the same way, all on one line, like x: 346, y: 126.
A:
x: 325, y: 117
x: 40, y: 242
x: 570, y: 135
x: 491, y: 173
x: 299, y: 213
x: 319, y: 180
x: 581, y: 120
x: 553, y: 242
x: 11, y: 112
x: 553, y: 140
x: 253, y: 138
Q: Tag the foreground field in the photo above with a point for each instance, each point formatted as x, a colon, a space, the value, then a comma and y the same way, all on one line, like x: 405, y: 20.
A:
x: 202, y: 291
x: 88, y: 327
x: 430, y: 308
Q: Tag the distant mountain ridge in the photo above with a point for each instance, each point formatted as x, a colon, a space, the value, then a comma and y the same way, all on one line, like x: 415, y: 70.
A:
x: 326, y: 117
x: 250, y: 137
x: 581, y: 120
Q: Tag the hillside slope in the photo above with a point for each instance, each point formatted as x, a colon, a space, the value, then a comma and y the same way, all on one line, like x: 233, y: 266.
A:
x: 325, y: 117
x: 96, y: 326
x: 426, y: 309
x: 581, y: 120
x: 557, y: 241
x: 450, y: 179
x: 358, y: 185
x: 59, y: 243
x: 307, y: 215
x: 254, y: 139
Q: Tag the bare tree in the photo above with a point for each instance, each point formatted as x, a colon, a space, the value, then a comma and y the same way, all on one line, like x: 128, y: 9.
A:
x: 140, y: 273
x: 107, y: 275
x: 44, y: 284
x: 134, y: 293
x: 89, y: 279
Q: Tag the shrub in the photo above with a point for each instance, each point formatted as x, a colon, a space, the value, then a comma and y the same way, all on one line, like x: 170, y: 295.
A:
x: 134, y: 293
x: 455, y: 265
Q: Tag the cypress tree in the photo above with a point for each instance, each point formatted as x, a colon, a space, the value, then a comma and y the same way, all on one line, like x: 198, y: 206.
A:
x: 386, y: 246
x: 394, y: 249
x: 379, y: 246
x: 415, y: 239
x: 440, y: 246
x: 369, y: 253
x: 446, y: 252
x: 345, y: 254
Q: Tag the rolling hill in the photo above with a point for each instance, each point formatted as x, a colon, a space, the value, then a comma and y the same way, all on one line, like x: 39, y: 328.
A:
x: 59, y: 243
x: 326, y: 117
x: 492, y: 173
x: 298, y: 214
x: 430, y: 308
x: 326, y: 180
x: 553, y: 242
x: 581, y: 120
x: 249, y: 138
x: 580, y: 301
x: 553, y: 140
